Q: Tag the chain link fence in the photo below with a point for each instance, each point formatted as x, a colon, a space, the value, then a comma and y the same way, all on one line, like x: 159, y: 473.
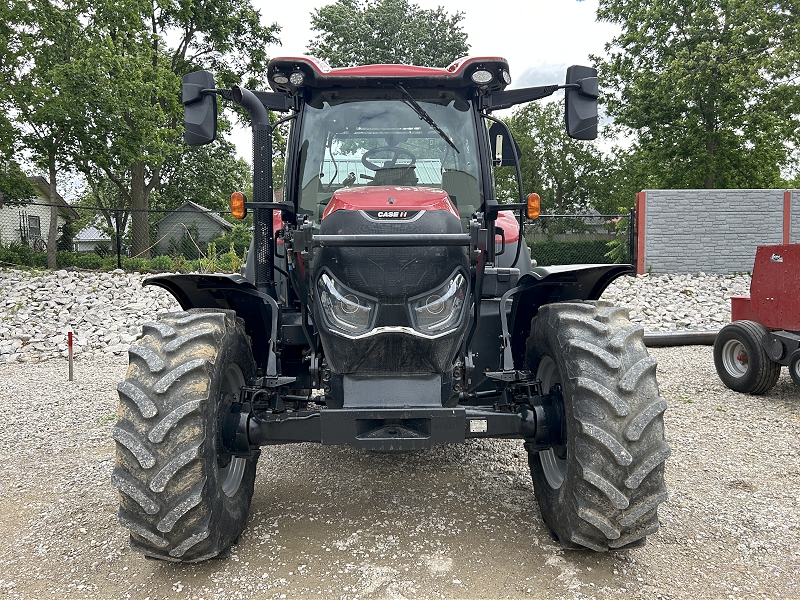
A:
x: 182, y: 239
x: 553, y: 239
x: 581, y: 239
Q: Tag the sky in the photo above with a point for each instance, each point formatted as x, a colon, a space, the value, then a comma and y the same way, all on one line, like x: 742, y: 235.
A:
x: 539, y: 38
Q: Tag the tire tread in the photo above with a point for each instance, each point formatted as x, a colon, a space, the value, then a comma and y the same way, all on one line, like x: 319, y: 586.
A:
x: 616, y: 449
x: 162, y: 473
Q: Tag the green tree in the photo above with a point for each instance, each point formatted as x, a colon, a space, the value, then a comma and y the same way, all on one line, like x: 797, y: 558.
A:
x: 355, y: 32
x: 206, y: 175
x: 14, y: 186
x: 41, y: 92
x: 103, y: 207
x: 571, y: 176
x: 134, y: 69
x: 705, y: 88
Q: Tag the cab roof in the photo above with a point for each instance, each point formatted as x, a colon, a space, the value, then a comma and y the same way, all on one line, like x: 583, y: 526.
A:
x: 289, y: 74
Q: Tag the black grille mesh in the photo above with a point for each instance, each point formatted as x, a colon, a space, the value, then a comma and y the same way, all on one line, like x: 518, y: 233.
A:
x: 392, y: 274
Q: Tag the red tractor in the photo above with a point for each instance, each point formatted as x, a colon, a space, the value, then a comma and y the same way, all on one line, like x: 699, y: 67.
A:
x: 765, y: 330
x: 389, y: 303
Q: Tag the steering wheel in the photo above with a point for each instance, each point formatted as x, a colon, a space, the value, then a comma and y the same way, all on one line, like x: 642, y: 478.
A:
x: 396, y: 154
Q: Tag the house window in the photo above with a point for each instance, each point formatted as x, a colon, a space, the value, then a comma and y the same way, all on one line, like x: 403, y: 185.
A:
x: 34, y: 227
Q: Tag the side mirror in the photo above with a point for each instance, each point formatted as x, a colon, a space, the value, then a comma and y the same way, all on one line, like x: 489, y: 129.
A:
x: 581, y: 103
x: 199, y: 109
x: 505, y: 151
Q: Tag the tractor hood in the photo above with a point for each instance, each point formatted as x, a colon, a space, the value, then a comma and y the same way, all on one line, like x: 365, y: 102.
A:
x: 390, y: 202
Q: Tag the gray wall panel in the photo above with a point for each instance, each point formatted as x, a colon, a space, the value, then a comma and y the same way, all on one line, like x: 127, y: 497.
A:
x: 713, y: 231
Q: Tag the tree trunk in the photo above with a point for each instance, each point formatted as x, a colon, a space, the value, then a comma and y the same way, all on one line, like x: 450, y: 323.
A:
x: 140, y: 223
x: 52, y: 232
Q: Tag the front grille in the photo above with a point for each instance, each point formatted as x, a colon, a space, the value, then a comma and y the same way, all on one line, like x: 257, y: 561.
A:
x: 392, y: 275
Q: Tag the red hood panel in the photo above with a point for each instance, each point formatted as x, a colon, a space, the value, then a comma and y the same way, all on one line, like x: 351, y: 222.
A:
x: 390, y: 198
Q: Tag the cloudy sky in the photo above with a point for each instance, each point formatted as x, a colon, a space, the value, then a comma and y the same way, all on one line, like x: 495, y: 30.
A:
x: 536, y: 36
x: 539, y: 38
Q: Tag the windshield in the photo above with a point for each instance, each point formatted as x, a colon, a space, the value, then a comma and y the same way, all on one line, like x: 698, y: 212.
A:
x: 350, y: 139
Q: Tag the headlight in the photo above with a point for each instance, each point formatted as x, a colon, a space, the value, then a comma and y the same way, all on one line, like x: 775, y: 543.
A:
x: 344, y: 309
x: 441, y: 309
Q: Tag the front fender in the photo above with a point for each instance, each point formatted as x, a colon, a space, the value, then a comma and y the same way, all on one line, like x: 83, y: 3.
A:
x: 545, y: 285
x: 232, y: 292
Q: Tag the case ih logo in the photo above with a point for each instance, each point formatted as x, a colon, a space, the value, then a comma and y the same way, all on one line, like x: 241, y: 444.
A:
x: 392, y: 214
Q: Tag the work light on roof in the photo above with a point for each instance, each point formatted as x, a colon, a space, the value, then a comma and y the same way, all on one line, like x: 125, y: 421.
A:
x: 506, y: 77
x: 482, y: 76
x: 280, y: 78
x: 296, y: 78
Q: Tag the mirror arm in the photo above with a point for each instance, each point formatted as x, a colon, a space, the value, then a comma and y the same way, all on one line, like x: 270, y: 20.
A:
x: 277, y: 102
x: 500, y: 100
x: 507, y: 99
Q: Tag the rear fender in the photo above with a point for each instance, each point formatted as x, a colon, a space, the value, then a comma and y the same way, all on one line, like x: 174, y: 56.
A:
x: 232, y: 292
x: 545, y: 285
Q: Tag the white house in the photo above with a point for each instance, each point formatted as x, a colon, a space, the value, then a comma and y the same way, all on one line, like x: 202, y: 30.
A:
x: 89, y: 238
x: 30, y: 223
x: 190, y: 217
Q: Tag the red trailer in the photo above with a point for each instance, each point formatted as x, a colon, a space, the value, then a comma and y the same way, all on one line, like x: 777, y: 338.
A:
x: 765, y: 330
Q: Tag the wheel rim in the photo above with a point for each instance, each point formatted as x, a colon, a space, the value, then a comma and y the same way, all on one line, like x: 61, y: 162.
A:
x: 554, y: 468
x: 735, y: 358
x: 230, y: 476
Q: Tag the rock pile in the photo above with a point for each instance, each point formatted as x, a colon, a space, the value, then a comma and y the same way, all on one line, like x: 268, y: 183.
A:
x: 105, y: 311
x: 676, y: 302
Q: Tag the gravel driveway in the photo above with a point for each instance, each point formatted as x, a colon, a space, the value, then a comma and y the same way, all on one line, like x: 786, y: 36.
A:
x: 452, y: 522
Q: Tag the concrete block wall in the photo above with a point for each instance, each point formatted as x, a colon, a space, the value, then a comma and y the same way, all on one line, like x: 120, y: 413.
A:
x: 714, y: 231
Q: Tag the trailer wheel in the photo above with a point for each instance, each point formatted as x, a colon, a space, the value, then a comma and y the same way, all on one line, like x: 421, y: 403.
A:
x: 794, y: 367
x: 602, y: 487
x: 181, y: 496
x: 742, y: 364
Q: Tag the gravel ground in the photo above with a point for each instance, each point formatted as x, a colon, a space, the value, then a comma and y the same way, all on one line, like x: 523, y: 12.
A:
x: 452, y: 522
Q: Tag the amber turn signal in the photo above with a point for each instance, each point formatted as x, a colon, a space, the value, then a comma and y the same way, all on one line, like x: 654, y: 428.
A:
x: 238, y: 210
x: 534, y: 206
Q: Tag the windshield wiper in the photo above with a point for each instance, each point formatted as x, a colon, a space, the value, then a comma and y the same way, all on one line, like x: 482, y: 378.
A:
x: 425, y: 116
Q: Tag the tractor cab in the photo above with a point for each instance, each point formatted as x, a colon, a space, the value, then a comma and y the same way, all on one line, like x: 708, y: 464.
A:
x: 374, y: 138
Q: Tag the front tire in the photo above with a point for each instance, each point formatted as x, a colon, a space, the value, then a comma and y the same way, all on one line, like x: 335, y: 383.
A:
x: 181, y: 496
x: 741, y: 362
x: 602, y: 487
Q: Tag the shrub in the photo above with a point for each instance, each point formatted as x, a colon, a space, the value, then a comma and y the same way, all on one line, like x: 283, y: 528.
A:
x: 39, y: 259
x: 209, y: 263
x: 239, y: 237
x: 90, y: 261
x: 16, y: 253
x: 66, y: 259
x: 230, y: 262
x: 569, y: 253
x: 108, y: 263
x: 162, y: 263
x: 179, y: 263
x: 136, y: 264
